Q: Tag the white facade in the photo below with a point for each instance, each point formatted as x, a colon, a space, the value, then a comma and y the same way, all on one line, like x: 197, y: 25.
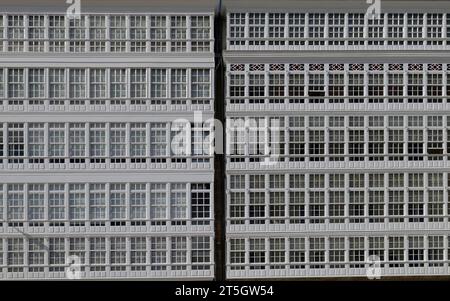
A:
x: 86, y: 122
x: 344, y: 150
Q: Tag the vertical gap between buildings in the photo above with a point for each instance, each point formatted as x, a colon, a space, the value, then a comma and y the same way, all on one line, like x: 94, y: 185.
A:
x: 219, y: 159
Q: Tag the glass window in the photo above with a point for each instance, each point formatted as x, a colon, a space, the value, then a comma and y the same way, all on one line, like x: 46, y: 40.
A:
x: 138, y: 253
x: 97, y: 33
x: 237, y: 28
x: 336, y: 24
x: 77, y: 83
x: 118, y: 253
x: 178, y: 32
x: 117, y: 31
x: 257, y: 254
x: 276, y: 26
x: 57, y: 83
x: 77, y: 34
x: 158, y: 141
x: 277, y: 253
x: 356, y: 29
x: 356, y: 251
x: 337, y: 251
x: 118, y: 83
x: 316, y: 28
x: 77, y: 142
x: 256, y: 28
x: 36, y: 29
x: 36, y: 253
x: 97, y: 251
x: 138, y: 85
x: 158, y: 87
x: 56, y: 140
x: 16, y: 33
x: 200, y: 83
x: 416, y: 250
x: 179, y: 83
x: 97, y: 202
x: 77, y: 202
x: 15, y: 253
x: 178, y: 202
x: 56, y: 202
x: 138, y: 33
x: 36, y: 83
x: 16, y: 142
x: 158, y: 253
x: 77, y: 247
x: 297, y: 251
x: 178, y: 252
x: 97, y: 142
x: 158, y: 202
x: 15, y: 202
x: 97, y: 83
x: 36, y: 202
x: 158, y: 34
x: 200, y: 203
x: 56, y: 33
x: 414, y: 28
x: 316, y: 251
x: 138, y: 207
x: 118, y: 144
x: 296, y: 28
x: 138, y: 142
x: 117, y: 202
x: 436, y: 250
x: 200, y: 252
x: 237, y: 253
x: 56, y: 253
x: 200, y: 33
x: 16, y: 83
x: 36, y: 142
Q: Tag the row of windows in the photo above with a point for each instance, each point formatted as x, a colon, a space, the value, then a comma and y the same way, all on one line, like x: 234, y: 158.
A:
x: 106, y: 33
x: 79, y: 84
x: 341, y: 29
x: 295, y: 82
x: 338, y: 252
x: 158, y: 142
x: 119, y: 253
x: 116, y: 203
x: 339, y: 138
x: 338, y: 198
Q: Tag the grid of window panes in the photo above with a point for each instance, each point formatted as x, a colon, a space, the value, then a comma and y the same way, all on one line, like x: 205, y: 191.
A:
x: 339, y: 138
x: 100, y: 142
x: 293, y: 198
x: 338, y: 83
x: 110, y: 205
x: 107, y: 33
x: 344, y: 254
x: 100, y: 86
x: 316, y: 30
x: 117, y: 256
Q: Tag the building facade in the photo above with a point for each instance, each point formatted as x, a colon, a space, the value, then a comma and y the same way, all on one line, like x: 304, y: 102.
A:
x: 338, y: 124
x: 337, y: 139
x: 91, y: 186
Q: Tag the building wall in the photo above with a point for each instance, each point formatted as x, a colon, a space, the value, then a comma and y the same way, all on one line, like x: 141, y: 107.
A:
x: 337, y: 126
x: 87, y: 111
